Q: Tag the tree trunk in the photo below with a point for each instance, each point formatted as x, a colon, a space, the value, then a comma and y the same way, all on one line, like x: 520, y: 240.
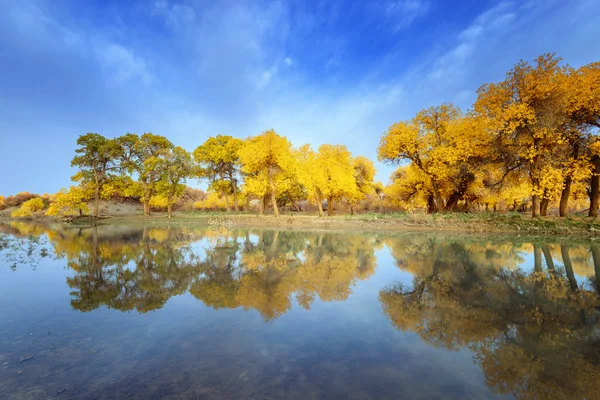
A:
x: 351, y: 209
x: 227, y: 208
x: 544, y: 207
x: 439, y: 203
x: 564, y: 251
x: 146, y: 207
x: 430, y: 204
x: 320, y: 205
x: 535, y: 200
x: 261, y: 206
x: 564, y: 197
x: 330, y: 206
x: 274, y: 201
x: 236, y: 205
x: 169, y: 209
x: 595, y: 187
x: 97, y: 201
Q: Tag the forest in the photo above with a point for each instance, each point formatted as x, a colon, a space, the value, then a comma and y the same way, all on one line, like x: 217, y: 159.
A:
x: 528, y: 143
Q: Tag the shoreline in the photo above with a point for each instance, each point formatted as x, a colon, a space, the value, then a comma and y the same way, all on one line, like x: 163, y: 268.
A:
x: 450, y: 223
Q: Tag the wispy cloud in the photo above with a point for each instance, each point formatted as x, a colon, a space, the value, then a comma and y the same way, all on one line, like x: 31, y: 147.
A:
x: 176, y: 15
x: 122, y: 64
x: 402, y: 13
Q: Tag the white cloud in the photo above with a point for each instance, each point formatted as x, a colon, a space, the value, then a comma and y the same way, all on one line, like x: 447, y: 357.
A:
x: 177, y: 15
x: 288, y: 61
x: 402, y: 13
x: 123, y: 63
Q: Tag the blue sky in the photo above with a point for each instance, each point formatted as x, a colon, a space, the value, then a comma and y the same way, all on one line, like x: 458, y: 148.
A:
x: 317, y: 72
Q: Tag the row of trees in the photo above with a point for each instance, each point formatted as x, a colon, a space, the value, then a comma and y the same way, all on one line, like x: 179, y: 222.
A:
x: 532, y: 137
x: 264, y: 167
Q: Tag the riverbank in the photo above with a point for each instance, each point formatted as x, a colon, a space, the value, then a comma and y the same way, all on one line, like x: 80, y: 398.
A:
x: 453, y: 222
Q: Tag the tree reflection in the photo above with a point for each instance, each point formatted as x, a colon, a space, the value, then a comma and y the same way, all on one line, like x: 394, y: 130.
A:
x: 140, y: 269
x: 267, y: 273
x: 534, y: 332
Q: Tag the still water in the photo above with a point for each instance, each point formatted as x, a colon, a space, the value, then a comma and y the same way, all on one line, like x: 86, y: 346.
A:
x: 146, y: 312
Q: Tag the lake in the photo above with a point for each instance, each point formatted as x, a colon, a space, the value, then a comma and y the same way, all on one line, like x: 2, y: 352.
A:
x: 134, y: 312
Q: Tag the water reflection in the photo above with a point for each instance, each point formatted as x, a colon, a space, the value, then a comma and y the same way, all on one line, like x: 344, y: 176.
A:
x: 527, y: 310
x: 533, y: 331
x: 127, y: 269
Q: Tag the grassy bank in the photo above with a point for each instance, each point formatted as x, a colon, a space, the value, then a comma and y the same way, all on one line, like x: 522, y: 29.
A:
x: 454, y: 222
x: 457, y: 222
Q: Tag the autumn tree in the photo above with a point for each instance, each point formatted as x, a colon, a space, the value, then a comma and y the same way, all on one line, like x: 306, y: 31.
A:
x: 308, y: 177
x: 266, y: 159
x: 178, y: 166
x: 68, y: 202
x: 445, y: 146
x: 525, y: 112
x: 335, y: 164
x: 98, y: 160
x: 582, y: 106
x: 144, y: 156
x: 364, y: 174
x: 220, y: 163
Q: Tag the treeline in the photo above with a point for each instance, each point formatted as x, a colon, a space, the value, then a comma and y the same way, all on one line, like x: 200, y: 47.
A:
x: 527, y: 142
x: 265, y: 168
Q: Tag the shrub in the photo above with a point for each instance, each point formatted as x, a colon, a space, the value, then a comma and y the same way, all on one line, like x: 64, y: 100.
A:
x: 29, y: 207
x: 159, y: 202
x: 18, y: 199
x: 2, y: 205
x: 212, y: 202
x: 189, y: 197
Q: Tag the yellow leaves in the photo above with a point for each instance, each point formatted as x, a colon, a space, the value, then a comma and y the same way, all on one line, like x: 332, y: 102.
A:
x: 212, y: 202
x: 266, y: 159
x: 70, y: 202
x: 28, y: 208
x: 159, y: 201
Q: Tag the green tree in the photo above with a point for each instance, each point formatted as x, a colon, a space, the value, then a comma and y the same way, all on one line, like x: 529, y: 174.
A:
x: 178, y: 167
x: 97, y: 159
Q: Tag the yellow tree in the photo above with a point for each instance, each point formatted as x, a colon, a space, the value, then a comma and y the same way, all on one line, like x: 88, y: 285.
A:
x: 582, y: 105
x: 445, y: 146
x: 525, y: 112
x: 410, y: 188
x: 364, y: 174
x: 312, y: 181
x: 145, y: 156
x: 219, y: 161
x: 335, y: 165
x: 70, y: 202
x: 266, y: 159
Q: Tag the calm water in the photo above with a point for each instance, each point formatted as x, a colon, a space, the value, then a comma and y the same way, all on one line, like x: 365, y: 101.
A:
x: 133, y: 312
